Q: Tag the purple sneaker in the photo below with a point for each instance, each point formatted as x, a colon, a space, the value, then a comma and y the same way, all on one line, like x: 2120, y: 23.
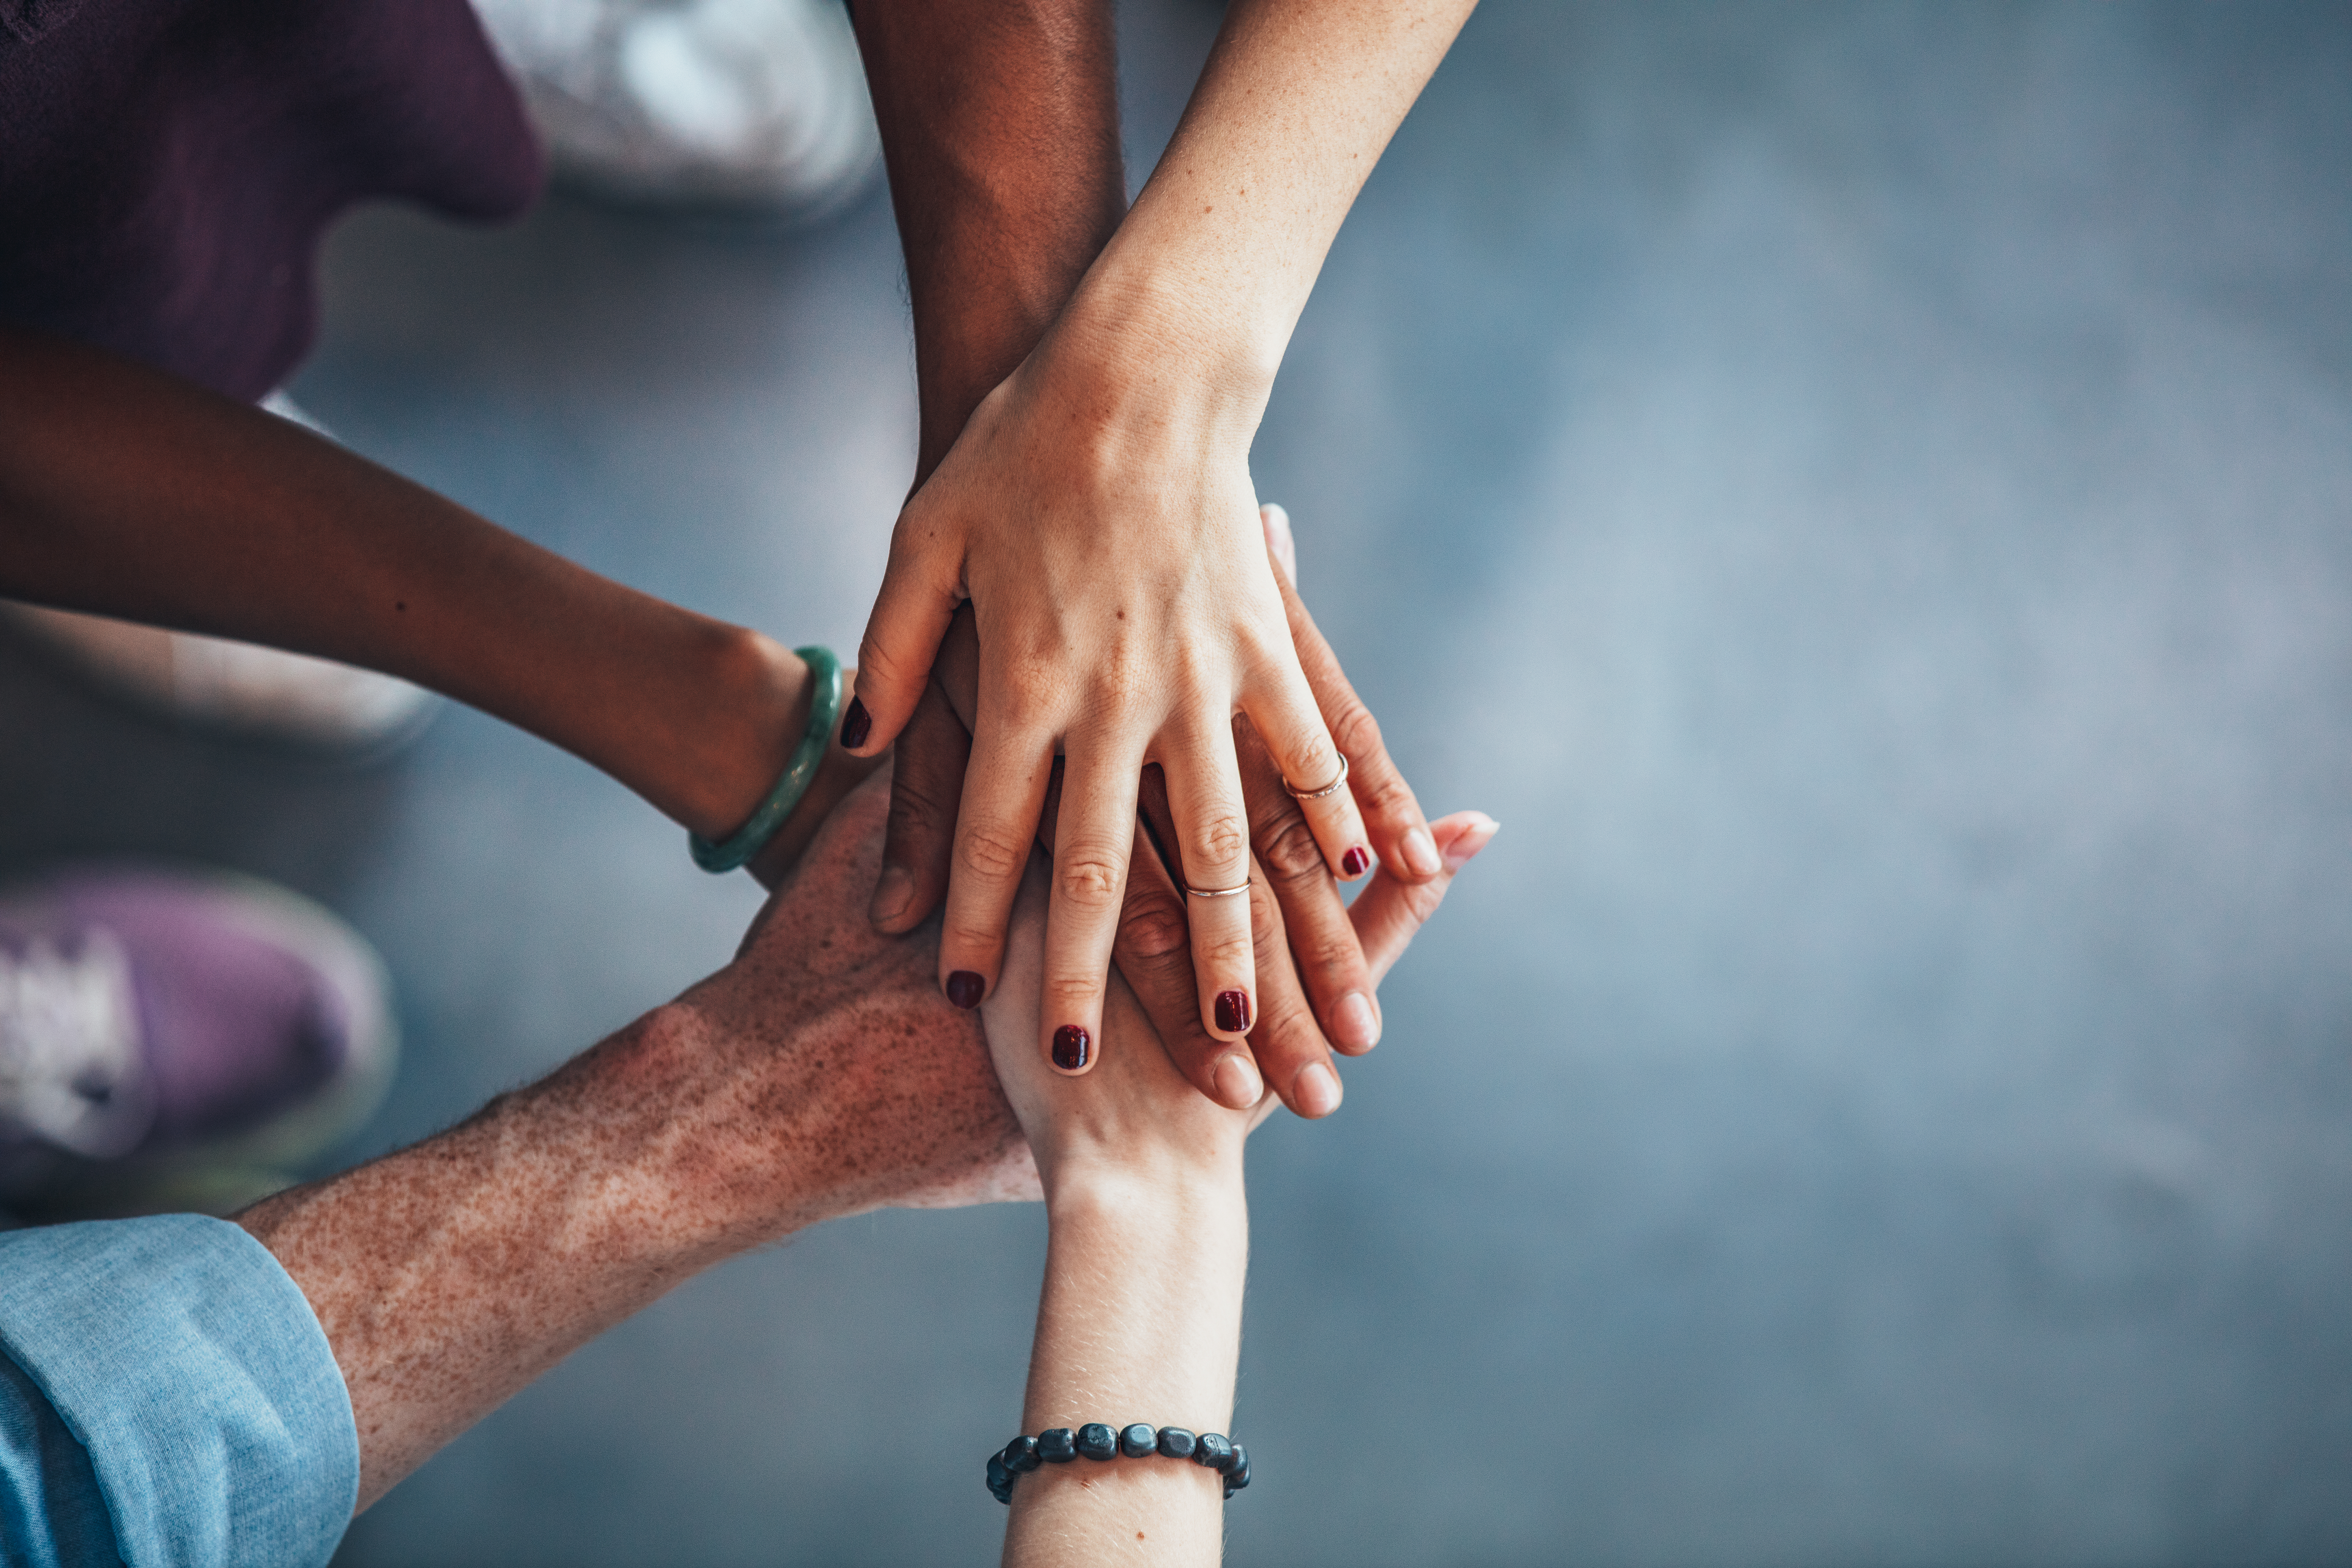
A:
x: 167, y: 1039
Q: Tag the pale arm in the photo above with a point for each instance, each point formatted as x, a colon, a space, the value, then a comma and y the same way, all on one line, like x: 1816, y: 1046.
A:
x: 1139, y: 1317
x: 1098, y: 511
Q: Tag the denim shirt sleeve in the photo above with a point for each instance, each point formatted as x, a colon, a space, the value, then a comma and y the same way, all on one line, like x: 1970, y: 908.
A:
x: 190, y: 1373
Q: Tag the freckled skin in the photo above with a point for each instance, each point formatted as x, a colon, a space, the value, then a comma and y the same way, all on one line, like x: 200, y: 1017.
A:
x: 818, y: 1075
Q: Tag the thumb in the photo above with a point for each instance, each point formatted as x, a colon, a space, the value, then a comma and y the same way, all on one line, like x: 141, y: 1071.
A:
x: 919, y: 595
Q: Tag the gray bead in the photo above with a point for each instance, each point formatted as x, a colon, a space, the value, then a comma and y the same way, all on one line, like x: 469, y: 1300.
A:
x: 1137, y: 1441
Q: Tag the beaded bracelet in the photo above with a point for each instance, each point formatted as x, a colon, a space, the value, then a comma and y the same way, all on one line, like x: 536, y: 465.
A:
x: 825, y: 707
x: 1096, y: 1440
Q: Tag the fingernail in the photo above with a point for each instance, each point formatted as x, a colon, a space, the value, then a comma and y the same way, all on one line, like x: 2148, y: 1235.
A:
x: 1237, y: 1082
x: 965, y: 989
x: 1234, y: 1011
x: 1072, y: 1047
x: 855, y: 724
x: 1354, y: 1023
x: 892, y: 893
x: 1355, y: 862
x: 1470, y: 843
x: 1316, y: 1092
x: 1421, y: 854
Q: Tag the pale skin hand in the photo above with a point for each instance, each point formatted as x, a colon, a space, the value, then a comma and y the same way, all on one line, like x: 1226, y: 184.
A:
x: 1098, y: 511
x: 1139, y: 1318
x: 818, y: 1075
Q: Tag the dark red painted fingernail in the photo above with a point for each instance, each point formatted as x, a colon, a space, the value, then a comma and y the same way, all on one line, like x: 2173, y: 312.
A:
x: 1071, y: 1048
x: 855, y: 724
x: 1233, y: 1012
x: 965, y: 989
x: 1356, y: 861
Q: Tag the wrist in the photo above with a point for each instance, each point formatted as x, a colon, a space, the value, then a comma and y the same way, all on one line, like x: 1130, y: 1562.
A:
x: 1144, y: 343
x: 1145, y: 1194
x: 755, y: 695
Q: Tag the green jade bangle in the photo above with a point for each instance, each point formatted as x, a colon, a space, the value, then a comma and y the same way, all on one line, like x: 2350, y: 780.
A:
x: 807, y: 757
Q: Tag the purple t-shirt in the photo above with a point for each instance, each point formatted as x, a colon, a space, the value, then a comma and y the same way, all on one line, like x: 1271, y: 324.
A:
x: 168, y: 167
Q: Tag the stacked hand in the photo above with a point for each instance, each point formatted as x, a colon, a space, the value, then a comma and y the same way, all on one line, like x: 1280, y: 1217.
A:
x: 1097, y: 516
x: 1312, y: 990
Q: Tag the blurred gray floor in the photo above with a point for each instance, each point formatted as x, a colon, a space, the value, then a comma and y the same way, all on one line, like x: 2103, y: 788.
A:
x: 1864, y: 494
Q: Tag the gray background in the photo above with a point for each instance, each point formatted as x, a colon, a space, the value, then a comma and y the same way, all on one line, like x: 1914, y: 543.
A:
x: 1861, y: 493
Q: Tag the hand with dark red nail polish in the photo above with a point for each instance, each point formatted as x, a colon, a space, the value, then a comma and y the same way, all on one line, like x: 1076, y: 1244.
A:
x: 855, y: 725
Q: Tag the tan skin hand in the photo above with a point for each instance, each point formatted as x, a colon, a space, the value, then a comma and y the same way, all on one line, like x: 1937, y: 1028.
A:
x: 1309, y: 963
x: 1097, y: 512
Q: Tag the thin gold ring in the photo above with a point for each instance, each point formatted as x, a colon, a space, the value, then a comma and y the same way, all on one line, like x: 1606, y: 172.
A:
x: 1331, y: 788
x: 1214, y: 892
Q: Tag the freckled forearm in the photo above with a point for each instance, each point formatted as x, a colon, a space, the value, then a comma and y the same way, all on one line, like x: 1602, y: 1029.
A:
x: 449, y: 1276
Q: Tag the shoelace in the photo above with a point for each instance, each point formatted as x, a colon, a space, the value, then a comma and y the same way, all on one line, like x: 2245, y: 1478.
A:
x: 68, y: 1041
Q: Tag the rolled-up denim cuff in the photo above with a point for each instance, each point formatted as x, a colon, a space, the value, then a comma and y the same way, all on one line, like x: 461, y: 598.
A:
x: 194, y: 1373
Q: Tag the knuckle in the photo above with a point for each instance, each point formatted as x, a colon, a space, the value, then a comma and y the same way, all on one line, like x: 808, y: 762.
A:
x: 991, y: 854
x: 1087, y: 876
x: 1230, y: 953
x: 1027, y: 695
x: 1314, y: 761
x: 1220, y: 838
x: 1288, y: 1021
x: 1290, y: 852
x: 1333, y: 954
x: 1153, y: 929
x: 1070, y: 996
x: 969, y: 936
x: 1357, y: 732
x: 1120, y: 688
x: 913, y: 806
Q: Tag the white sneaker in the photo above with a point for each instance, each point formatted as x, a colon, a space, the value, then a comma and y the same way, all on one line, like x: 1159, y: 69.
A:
x: 749, y: 104
x: 220, y: 684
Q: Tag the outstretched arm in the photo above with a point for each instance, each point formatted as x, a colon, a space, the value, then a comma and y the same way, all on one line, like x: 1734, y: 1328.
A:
x: 1139, y: 1318
x: 818, y: 1075
x: 1098, y: 514
x: 780, y: 1092
x: 127, y: 492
